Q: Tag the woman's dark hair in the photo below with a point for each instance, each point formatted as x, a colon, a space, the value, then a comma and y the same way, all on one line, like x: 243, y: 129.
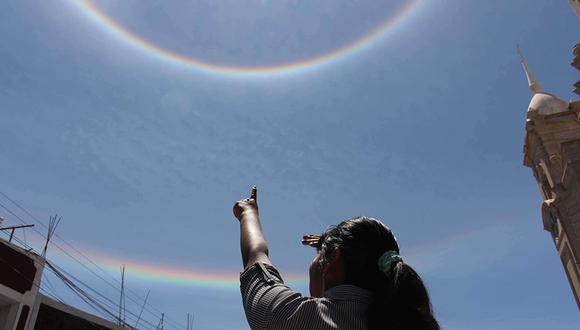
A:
x: 401, y: 301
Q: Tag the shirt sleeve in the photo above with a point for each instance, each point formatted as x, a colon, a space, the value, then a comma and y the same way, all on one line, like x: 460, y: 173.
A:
x: 267, y: 301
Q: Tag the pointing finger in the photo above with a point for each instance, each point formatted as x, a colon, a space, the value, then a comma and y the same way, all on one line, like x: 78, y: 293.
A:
x: 254, y: 193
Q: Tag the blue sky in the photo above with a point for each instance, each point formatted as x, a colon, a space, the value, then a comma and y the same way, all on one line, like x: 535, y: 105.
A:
x: 143, y: 158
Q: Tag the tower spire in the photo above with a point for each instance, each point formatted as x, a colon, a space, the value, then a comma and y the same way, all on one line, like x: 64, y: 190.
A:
x: 535, y: 86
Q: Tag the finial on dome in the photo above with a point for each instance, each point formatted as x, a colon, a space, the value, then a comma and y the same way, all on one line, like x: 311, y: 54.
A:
x: 532, y: 82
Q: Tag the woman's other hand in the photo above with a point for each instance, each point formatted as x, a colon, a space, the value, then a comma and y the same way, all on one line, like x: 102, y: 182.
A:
x: 311, y: 240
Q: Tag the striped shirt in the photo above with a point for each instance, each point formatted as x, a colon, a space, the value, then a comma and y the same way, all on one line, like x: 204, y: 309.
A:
x: 269, y: 304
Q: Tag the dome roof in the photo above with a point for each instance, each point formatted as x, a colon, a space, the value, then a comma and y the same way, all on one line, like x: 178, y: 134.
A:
x: 546, y: 104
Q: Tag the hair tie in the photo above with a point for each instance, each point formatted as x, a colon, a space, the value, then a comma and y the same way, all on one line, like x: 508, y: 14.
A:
x: 387, y: 260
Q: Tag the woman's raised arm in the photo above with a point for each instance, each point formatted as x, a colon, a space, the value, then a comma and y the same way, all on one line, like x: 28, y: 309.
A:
x: 253, y: 245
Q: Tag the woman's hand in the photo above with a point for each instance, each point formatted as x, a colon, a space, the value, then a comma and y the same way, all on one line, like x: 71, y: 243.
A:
x: 247, y: 205
x: 311, y: 240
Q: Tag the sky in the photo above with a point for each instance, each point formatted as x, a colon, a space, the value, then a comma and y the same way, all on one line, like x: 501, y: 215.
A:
x: 140, y: 123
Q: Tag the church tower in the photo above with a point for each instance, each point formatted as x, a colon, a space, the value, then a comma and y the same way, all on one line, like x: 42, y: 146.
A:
x: 552, y: 151
x: 576, y: 6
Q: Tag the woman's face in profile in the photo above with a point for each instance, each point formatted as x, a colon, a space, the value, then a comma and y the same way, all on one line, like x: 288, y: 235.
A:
x: 316, y: 284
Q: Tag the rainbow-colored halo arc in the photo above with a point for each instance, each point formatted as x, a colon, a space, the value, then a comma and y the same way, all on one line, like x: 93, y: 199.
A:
x: 357, y: 46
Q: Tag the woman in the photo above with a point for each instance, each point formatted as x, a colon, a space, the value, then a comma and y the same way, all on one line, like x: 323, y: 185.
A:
x: 357, y: 280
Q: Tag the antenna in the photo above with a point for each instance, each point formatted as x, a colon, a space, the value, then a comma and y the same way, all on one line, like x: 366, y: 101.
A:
x: 142, y: 307
x: 190, y: 321
x: 12, y: 229
x: 52, y: 224
x: 122, y: 298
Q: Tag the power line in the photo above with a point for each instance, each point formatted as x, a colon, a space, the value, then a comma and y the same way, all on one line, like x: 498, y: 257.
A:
x: 70, y: 279
x: 109, y: 302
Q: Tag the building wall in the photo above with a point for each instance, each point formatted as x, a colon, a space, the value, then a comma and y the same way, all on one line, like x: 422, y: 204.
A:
x: 17, y: 269
x: 19, y: 283
x: 50, y: 317
x: 52, y: 314
x: 552, y: 150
